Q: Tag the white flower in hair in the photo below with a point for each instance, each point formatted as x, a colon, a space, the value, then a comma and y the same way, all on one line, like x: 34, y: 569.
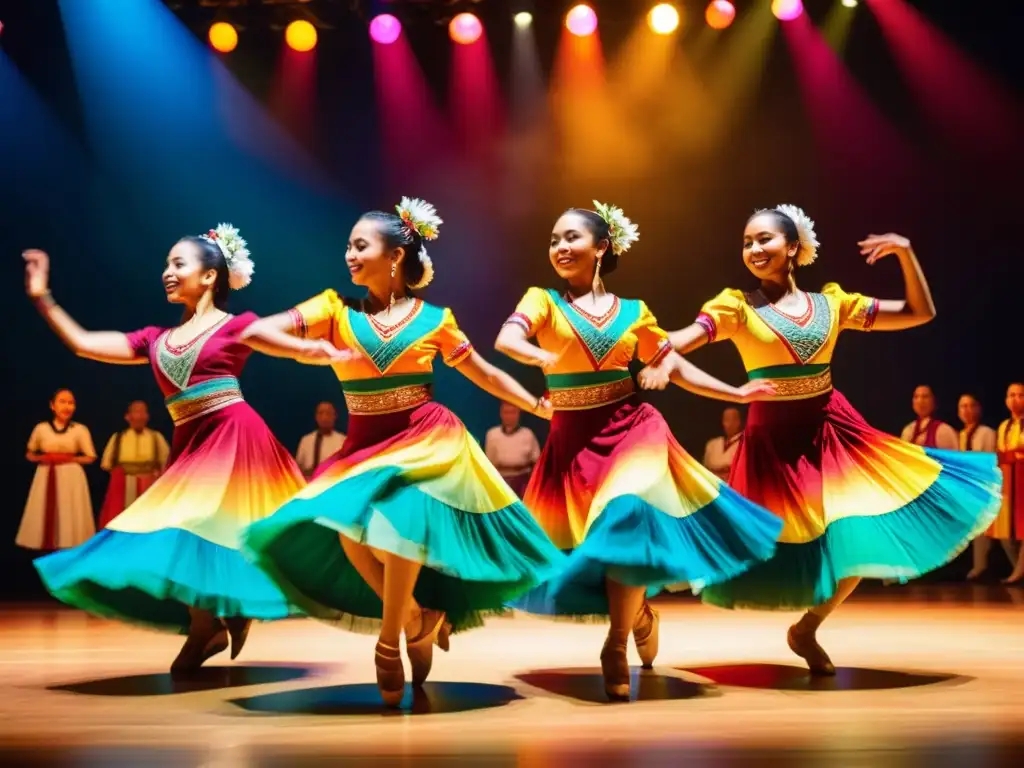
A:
x: 420, y: 216
x: 622, y: 231
x: 236, y: 254
x: 428, y: 270
x: 808, y: 250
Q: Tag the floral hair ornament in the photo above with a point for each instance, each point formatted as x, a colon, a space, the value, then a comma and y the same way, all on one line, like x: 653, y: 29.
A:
x: 421, y: 217
x: 621, y: 230
x: 808, y: 250
x: 236, y: 254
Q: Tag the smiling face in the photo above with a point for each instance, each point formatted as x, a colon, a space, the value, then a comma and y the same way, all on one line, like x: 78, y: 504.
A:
x: 368, y: 258
x: 63, y: 405
x: 573, y: 250
x: 767, y: 251
x: 185, y: 279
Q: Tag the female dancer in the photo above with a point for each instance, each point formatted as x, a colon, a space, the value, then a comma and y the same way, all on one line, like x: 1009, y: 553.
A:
x: 409, y: 512
x: 612, y: 483
x: 854, y: 501
x: 58, y: 513
x: 171, y: 560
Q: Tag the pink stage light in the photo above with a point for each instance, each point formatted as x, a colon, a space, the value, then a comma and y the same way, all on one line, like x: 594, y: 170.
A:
x: 465, y: 29
x: 581, y: 20
x: 385, y: 29
x: 787, y: 10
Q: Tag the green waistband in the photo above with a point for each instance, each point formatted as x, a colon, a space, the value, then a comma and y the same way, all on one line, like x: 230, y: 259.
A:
x: 203, y: 388
x: 386, y: 383
x: 787, y: 371
x: 584, y: 379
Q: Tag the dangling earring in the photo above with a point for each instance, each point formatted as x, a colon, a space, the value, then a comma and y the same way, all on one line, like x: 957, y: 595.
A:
x: 598, y: 285
x: 392, y: 302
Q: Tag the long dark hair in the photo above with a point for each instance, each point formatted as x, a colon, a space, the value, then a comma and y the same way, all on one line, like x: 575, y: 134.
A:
x: 599, y: 229
x: 397, y: 235
x: 210, y: 257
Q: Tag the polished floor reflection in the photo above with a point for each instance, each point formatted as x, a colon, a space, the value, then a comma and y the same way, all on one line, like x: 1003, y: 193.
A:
x: 928, y: 675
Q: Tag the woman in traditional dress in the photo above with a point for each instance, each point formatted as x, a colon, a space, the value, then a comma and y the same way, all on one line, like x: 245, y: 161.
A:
x: 171, y: 560
x: 855, y: 502
x: 58, y: 513
x: 408, y: 527
x: 612, y: 483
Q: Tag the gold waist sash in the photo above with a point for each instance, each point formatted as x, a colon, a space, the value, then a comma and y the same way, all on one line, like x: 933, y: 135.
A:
x: 203, y: 398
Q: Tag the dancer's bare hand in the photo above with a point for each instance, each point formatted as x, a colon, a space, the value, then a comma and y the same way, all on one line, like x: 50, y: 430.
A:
x: 37, y: 272
x: 322, y: 352
x: 544, y: 409
x: 876, y: 247
x: 755, y: 390
x: 652, y: 378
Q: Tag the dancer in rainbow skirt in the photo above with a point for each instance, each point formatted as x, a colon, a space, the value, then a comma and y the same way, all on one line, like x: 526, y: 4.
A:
x: 171, y: 560
x: 612, y: 484
x: 408, y: 527
x: 855, y: 502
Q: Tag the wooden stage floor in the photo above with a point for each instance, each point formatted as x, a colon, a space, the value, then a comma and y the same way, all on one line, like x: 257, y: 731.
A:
x: 929, y: 675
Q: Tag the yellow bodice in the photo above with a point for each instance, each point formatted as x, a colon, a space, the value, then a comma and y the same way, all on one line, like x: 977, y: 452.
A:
x: 394, y: 368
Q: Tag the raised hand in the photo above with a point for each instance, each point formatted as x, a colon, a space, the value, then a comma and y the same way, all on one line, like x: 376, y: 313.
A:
x: 755, y: 390
x: 37, y: 272
x: 876, y: 247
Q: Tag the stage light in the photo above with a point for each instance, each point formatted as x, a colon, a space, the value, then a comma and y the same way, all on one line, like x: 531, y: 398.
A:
x: 523, y: 19
x: 850, y: 3
x: 465, y: 29
x: 581, y: 20
x: 720, y: 14
x: 663, y: 19
x: 223, y: 37
x: 787, y: 10
x: 300, y: 36
x: 385, y: 29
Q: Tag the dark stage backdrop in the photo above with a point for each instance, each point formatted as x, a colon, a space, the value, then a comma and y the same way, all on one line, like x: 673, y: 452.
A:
x: 121, y: 132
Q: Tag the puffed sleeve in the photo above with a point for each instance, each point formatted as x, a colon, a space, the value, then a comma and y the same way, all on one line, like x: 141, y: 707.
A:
x: 35, y: 440
x: 857, y: 312
x: 314, y: 318
x: 532, y: 312
x: 141, y: 340
x: 454, y: 345
x: 724, y: 315
x: 652, y: 342
x: 83, y: 438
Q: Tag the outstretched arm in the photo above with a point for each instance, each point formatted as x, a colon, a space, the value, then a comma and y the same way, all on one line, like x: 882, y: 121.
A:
x: 685, y: 374
x: 917, y: 308
x: 270, y: 339
x: 104, y: 346
x: 495, y: 381
x: 689, y: 338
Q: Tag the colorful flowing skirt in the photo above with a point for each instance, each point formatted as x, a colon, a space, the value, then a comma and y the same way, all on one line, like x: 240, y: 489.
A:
x: 417, y: 485
x: 178, y: 544
x: 615, y: 487
x: 854, y: 502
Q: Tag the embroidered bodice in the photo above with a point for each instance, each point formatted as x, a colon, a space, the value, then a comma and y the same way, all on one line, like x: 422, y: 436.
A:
x: 585, y: 342
x: 408, y: 346
x: 767, y: 337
